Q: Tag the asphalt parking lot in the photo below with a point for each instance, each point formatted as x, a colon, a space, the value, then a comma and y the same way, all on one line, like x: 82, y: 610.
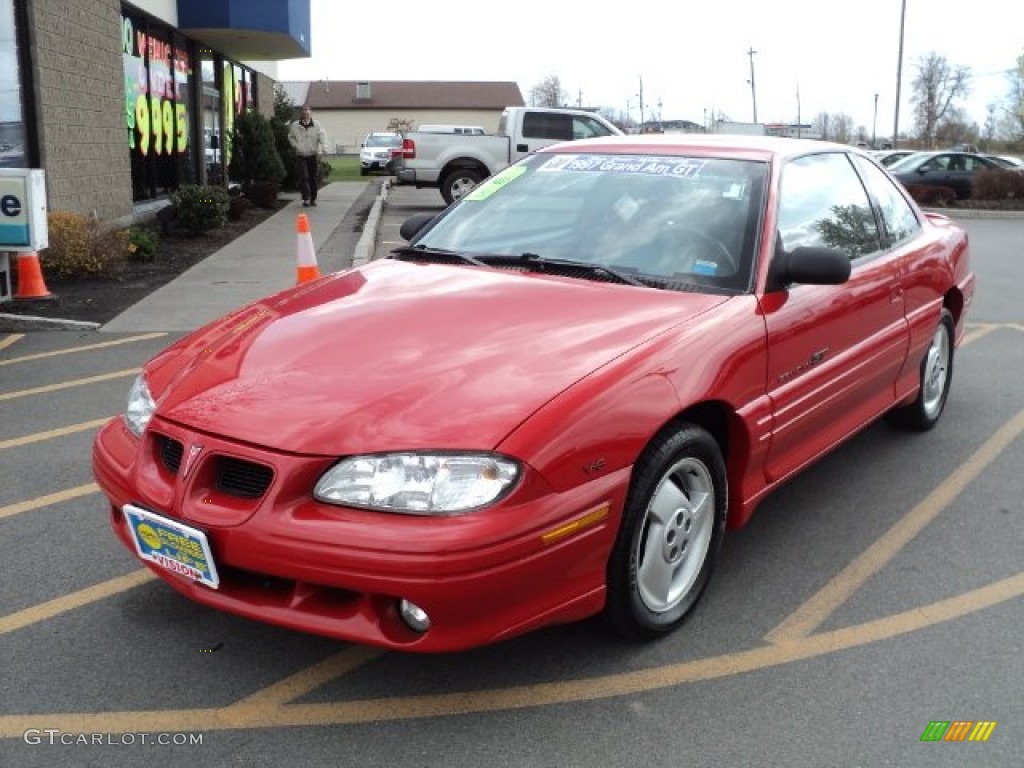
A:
x: 875, y: 594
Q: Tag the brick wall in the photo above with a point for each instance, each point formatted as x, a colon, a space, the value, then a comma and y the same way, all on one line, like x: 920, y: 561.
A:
x: 79, y: 88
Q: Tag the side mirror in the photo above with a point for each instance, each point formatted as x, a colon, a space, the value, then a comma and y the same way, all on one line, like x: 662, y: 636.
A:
x: 414, y: 225
x: 810, y: 266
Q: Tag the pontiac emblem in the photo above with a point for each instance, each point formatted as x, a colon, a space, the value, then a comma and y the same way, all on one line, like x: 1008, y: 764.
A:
x: 190, y: 461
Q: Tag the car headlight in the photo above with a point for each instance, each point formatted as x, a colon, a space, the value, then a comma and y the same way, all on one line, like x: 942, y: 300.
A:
x: 140, y: 407
x: 418, y: 483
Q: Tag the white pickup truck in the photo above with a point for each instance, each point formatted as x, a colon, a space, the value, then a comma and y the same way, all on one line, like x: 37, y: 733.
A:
x: 455, y: 163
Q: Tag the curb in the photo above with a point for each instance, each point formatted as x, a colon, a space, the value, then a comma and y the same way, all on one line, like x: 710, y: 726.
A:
x: 975, y: 213
x: 21, y: 323
x: 368, y: 241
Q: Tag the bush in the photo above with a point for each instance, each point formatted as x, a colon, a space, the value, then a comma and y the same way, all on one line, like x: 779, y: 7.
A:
x: 925, y: 194
x: 78, y: 248
x: 238, y: 206
x: 254, y: 155
x: 142, y: 244
x: 996, y: 184
x: 325, y: 171
x: 284, y: 114
x: 200, y: 209
x: 262, y: 194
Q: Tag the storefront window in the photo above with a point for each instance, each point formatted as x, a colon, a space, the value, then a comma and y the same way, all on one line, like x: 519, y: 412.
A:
x: 210, y: 106
x: 157, y: 69
x: 13, y: 129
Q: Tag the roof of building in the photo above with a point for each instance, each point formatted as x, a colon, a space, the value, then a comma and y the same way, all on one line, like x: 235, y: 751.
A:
x: 411, y: 94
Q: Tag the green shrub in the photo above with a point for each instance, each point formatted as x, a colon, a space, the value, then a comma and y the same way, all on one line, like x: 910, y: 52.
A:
x: 77, y: 247
x: 200, y: 209
x: 284, y: 114
x: 142, y: 244
x: 325, y: 171
x: 254, y: 155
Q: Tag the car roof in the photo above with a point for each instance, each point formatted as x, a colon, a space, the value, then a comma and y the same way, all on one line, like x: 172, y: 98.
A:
x: 720, y: 145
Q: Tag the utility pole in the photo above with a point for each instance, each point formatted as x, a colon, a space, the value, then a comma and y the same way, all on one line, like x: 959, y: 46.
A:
x: 753, y: 89
x: 641, y: 103
x: 899, y: 76
x: 798, y: 120
x: 874, y: 124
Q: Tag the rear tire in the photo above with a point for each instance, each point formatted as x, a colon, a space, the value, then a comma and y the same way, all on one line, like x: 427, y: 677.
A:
x: 672, y: 529
x: 936, y: 377
x: 459, y: 183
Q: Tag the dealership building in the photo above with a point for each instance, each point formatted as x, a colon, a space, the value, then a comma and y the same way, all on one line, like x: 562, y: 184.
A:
x: 119, y: 102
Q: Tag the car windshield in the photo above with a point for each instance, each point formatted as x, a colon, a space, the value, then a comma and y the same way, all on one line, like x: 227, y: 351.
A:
x: 664, y: 220
x: 910, y: 162
x: 377, y: 140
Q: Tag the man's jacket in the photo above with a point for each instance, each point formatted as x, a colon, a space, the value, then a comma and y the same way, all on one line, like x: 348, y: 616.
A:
x: 307, y: 140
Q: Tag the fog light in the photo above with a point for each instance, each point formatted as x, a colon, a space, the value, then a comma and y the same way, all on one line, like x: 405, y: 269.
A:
x: 414, y: 616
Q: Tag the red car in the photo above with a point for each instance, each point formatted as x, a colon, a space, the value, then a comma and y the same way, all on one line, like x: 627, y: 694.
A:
x: 551, y: 404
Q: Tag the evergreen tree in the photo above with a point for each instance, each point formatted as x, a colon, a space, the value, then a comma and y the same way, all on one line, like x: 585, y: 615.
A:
x: 254, y: 156
x: 284, y: 115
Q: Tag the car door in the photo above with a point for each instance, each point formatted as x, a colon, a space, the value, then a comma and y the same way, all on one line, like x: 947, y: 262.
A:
x: 834, y: 351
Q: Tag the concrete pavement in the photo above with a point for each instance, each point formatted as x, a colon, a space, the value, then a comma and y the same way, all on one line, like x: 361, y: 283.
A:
x: 261, y: 262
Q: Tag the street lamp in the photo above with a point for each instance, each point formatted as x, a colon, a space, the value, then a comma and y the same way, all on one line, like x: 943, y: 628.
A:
x: 753, y: 90
x: 899, y: 76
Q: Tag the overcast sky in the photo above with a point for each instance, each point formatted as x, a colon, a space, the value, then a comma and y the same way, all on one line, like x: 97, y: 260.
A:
x: 690, y: 59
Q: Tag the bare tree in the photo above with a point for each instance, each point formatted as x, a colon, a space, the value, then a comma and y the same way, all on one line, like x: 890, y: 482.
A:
x: 937, y: 85
x: 401, y: 125
x: 1015, y: 99
x: 548, y: 93
x: 822, y: 125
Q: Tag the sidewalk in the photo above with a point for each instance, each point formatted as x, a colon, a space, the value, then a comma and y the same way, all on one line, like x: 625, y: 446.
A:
x: 259, y: 263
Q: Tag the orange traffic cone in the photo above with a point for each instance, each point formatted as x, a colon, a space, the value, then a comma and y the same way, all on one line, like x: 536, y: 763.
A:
x: 30, y: 278
x: 306, y: 268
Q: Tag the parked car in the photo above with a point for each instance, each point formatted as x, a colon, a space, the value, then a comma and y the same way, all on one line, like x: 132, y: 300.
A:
x: 551, y: 403
x: 378, y: 152
x: 1007, y: 161
x: 954, y: 170
x: 889, y: 156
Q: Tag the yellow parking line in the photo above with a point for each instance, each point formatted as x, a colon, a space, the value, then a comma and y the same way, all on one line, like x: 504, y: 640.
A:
x: 310, y: 678
x: 977, y: 333
x: 45, y: 501
x: 386, y: 708
x: 36, y: 437
x: 68, y: 384
x: 73, y: 350
x: 65, y: 603
x: 9, y: 340
x: 813, y: 612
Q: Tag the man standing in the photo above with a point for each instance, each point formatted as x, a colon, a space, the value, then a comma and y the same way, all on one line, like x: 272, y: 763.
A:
x: 309, y: 140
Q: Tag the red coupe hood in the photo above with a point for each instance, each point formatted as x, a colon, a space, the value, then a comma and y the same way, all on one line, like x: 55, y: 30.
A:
x: 402, y: 356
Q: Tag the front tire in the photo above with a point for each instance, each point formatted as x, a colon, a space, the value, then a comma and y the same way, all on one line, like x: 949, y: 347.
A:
x: 459, y: 183
x: 672, y: 529
x: 936, y: 377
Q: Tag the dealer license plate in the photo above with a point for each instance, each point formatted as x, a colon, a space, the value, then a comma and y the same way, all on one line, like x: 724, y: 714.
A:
x: 172, y: 545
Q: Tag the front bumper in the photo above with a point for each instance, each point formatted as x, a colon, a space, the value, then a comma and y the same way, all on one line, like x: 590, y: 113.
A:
x: 287, y: 559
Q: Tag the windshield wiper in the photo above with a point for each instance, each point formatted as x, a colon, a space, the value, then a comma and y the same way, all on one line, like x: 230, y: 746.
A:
x: 436, y: 254
x: 539, y: 263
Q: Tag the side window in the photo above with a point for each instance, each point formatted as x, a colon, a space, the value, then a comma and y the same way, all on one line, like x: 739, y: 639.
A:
x: 547, y: 125
x: 587, y: 128
x: 898, y: 217
x: 823, y: 204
